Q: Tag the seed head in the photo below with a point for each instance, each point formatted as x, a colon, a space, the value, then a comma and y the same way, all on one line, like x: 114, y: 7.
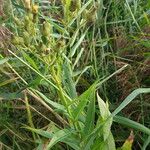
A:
x: 17, y: 40
x: 46, y: 29
x: 35, y: 9
x: 27, y: 4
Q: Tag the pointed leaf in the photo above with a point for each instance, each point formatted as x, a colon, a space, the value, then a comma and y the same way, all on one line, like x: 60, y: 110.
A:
x: 90, y: 117
x: 102, y: 107
x: 129, y: 99
x: 30, y: 60
x: 105, y: 113
x: 3, y: 60
x: 68, y: 81
x: 132, y: 124
x: 82, y: 101
x: 52, y: 103
x: 59, y: 136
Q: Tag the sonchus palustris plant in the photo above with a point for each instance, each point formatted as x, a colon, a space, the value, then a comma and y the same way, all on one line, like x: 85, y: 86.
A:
x: 34, y: 36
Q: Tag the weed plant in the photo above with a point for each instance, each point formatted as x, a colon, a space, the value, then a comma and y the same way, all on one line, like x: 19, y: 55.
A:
x: 74, y: 75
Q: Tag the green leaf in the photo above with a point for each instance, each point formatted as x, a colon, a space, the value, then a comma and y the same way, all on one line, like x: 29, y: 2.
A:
x: 8, y: 81
x: 146, y: 143
x: 35, y: 82
x: 90, y: 117
x: 30, y: 60
x: 3, y: 60
x: 73, y: 142
x: 68, y: 81
x: 105, y: 113
x: 41, y: 132
x: 109, y: 144
x: 52, y: 103
x: 107, y: 128
x: 130, y: 98
x: 10, y: 96
x: 146, y: 43
x: 73, y: 50
x: 123, y: 104
x: 131, y: 124
x: 59, y: 136
x: 82, y: 101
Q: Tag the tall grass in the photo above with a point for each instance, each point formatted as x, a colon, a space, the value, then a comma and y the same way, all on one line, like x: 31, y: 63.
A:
x: 62, y: 67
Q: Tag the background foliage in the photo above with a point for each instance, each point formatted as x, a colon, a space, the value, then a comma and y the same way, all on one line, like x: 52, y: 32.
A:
x: 74, y: 74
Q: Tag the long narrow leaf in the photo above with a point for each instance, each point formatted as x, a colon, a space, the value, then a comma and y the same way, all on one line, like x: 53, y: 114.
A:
x: 146, y: 143
x: 58, y: 136
x: 130, y: 98
x: 68, y: 80
x: 73, y: 50
x: 83, y: 99
x: 132, y: 124
x: 52, y: 103
x: 3, y: 60
x: 89, y: 122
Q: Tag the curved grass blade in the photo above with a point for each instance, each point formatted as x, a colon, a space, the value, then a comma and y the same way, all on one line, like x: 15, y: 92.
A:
x: 132, y: 124
x: 8, y: 81
x: 129, y: 99
x: 146, y: 143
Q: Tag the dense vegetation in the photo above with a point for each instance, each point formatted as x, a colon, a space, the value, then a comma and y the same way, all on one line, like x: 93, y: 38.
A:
x: 74, y: 74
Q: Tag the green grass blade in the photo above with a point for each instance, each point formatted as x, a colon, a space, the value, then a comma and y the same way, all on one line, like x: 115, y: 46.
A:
x: 74, y: 37
x: 129, y: 99
x: 78, y: 57
x: 33, y: 69
x: 110, y: 76
x: 8, y: 81
x: 10, y: 96
x: 81, y: 72
x: 3, y: 60
x: 146, y: 143
x: 75, y: 47
x: 80, y: 12
x: 132, y: 124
